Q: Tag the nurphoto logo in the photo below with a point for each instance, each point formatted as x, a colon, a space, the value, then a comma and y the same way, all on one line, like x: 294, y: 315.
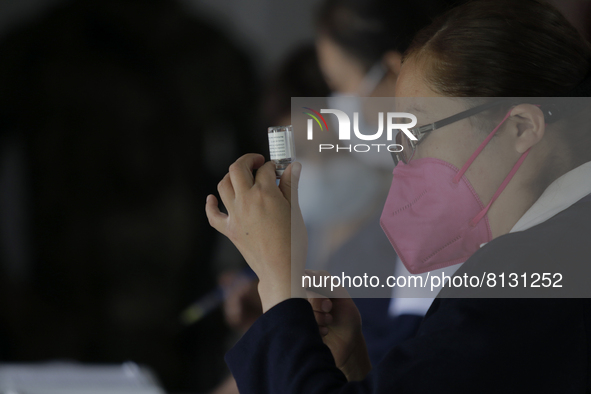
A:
x: 393, y: 122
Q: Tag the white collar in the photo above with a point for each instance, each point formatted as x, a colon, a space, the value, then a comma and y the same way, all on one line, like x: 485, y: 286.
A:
x: 561, y: 194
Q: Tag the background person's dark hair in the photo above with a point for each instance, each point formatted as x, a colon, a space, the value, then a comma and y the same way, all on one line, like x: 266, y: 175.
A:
x: 366, y: 29
x: 298, y: 75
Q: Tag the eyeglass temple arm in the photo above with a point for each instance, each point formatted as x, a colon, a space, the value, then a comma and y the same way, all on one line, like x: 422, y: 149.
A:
x: 465, y: 114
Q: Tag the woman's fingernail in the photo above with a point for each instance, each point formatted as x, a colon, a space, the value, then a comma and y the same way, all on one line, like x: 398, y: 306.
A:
x: 326, y: 305
x: 323, y: 331
x: 328, y: 318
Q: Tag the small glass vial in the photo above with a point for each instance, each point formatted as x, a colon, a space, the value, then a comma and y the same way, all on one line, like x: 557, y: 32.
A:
x: 281, y: 147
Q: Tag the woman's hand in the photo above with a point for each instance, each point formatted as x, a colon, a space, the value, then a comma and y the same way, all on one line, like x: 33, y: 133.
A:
x: 339, y: 323
x: 259, y: 223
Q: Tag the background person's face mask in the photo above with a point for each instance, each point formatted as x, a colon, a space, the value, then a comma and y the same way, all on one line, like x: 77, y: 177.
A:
x: 433, y: 217
x: 336, y: 190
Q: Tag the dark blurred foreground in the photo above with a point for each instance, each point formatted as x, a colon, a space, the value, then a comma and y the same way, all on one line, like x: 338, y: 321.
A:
x: 117, y: 119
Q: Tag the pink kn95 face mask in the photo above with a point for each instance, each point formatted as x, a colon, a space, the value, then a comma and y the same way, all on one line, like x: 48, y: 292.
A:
x: 433, y: 217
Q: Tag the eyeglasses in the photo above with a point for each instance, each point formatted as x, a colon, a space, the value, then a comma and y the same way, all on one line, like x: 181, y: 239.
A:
x: 409, y: 146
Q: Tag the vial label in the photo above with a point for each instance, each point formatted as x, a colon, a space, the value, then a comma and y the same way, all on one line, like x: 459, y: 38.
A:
x: 278, y: 146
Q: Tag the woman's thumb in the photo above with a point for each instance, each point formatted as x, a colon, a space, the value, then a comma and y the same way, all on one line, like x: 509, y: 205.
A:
x: 289, y: 182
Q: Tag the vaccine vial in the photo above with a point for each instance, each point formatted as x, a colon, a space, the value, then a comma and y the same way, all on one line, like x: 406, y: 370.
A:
x: 281, y: 147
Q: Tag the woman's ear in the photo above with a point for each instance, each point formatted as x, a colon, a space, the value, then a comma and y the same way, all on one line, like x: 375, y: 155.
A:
x: 530, y: 126
x: 393, y: 60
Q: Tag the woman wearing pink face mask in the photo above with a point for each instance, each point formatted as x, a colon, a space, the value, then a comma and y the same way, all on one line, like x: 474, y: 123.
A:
x: 502, y: 184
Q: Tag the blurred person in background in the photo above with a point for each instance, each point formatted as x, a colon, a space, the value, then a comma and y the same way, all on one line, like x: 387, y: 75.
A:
x: 360, y: 43
x: 117, y: 118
